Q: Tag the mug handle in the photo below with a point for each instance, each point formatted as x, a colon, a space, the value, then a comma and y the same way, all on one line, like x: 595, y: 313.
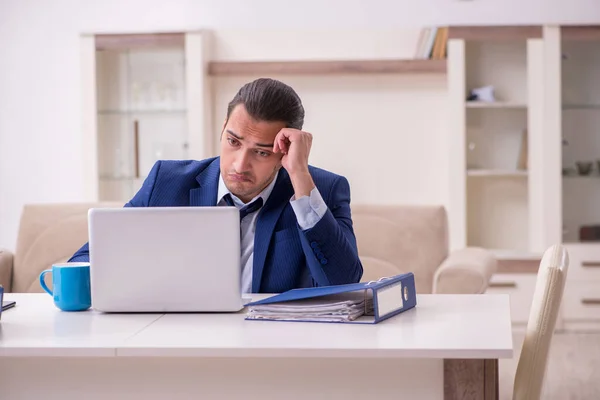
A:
x: 43, y: 284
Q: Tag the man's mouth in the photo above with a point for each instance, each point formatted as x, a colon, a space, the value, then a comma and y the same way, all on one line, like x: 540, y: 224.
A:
x: 239, y: 178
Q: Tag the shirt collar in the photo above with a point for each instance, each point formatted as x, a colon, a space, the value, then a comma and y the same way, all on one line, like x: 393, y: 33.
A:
x: 238, y: 203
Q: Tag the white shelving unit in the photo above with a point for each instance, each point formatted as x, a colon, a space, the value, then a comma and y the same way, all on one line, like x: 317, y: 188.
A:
x: 547, y: 83
x: 144, y: 98
x: 491, y: 203
x: 498, y: 154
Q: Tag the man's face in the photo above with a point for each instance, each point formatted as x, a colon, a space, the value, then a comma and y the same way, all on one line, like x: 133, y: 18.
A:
x: 248, y: 163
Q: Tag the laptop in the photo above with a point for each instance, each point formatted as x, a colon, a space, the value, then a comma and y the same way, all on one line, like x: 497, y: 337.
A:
x: 165, y: 259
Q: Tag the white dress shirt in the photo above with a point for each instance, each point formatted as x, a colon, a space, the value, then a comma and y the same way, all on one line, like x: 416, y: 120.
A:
x: 308, y: 209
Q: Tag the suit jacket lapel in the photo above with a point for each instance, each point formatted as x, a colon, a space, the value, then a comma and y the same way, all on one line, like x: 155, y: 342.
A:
x: 265, y: 223
x: 206, y: 194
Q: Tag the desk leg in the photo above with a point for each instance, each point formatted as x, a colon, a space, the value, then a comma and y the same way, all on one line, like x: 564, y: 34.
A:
x: 471, y: 379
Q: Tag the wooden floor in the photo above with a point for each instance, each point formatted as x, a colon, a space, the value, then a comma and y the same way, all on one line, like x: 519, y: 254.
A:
x: 573, y: 368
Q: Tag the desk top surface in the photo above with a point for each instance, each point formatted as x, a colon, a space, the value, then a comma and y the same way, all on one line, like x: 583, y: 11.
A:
x: 441, y: 326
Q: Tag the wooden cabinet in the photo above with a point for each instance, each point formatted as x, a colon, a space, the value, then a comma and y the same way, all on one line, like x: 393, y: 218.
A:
x: 497, y: 90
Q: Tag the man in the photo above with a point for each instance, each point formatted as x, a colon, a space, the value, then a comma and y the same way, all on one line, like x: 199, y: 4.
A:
x: 296, y: 226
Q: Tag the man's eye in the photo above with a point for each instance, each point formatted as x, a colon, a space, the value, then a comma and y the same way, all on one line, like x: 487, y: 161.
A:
x: 263, y: 153
x: 231, y: 141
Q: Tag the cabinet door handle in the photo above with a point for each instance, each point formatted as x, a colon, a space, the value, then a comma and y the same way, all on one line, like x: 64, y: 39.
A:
x: 591, y: 264
x: 503, y: 284
x: 590, y: 301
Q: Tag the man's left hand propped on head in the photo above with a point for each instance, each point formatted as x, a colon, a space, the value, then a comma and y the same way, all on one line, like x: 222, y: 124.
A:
x: 295, y: 146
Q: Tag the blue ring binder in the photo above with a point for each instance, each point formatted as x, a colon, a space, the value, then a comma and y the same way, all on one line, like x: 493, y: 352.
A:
x: 366, y: 302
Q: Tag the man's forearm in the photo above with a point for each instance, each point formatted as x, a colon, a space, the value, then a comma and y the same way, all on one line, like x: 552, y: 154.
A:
x: 303, y: 184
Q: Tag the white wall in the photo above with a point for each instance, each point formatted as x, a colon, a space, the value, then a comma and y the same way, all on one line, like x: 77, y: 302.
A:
x: 40, y: 142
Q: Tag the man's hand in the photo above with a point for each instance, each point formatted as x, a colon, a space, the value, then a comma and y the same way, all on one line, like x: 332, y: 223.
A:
x: 295, y: 146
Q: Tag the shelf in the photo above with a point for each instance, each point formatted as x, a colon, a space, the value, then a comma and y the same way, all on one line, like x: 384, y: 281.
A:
x: 326, y: 67
x: 143, y: 112
x: 581, y: 107
x: 495, y: 33
x: 496, y: 104
x: 496, y: 173
x: 580, y: 32
x: 136, y: 41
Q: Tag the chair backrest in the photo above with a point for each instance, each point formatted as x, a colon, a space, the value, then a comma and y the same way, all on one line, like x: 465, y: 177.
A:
x: 48, y: 233
x: 549, y: 287
x: 398, y: 239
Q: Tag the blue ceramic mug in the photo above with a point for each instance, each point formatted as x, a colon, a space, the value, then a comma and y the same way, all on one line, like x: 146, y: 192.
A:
x: 71, y: 285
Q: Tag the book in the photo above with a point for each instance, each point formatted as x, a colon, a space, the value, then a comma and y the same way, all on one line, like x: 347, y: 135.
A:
x: 432, y: 43
x: 366, y: 302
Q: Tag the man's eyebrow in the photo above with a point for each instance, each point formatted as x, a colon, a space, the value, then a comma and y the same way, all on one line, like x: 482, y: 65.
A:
x: 238, y: 137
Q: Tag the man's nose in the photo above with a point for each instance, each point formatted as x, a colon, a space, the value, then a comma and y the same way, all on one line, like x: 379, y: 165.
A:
x: 242, y: 162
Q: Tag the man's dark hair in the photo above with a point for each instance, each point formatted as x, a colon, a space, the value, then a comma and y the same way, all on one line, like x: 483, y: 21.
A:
x: 270, y: 100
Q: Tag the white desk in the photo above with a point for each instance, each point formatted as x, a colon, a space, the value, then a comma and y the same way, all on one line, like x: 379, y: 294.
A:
x: 448, y: 345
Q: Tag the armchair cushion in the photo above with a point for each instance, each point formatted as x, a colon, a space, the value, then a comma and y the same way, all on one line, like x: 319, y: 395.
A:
x: 6, y: 269
x: 48, y: 233
x: 465, y: 271
x: 399, y: 239
x: 376, y: 268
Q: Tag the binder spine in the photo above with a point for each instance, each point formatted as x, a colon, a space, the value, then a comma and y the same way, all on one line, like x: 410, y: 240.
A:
x: 394, y: 297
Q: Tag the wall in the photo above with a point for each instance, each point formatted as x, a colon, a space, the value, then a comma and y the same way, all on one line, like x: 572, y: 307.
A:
x: 40, y: 143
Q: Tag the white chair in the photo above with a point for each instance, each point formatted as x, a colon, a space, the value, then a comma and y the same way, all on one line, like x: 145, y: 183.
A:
x: 531, y: 369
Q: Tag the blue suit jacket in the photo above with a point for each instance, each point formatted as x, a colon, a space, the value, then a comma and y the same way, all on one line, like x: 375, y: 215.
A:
x: 285, y: 256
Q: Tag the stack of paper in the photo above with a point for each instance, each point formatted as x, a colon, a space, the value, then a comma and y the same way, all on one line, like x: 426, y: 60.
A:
x: 325, y: 309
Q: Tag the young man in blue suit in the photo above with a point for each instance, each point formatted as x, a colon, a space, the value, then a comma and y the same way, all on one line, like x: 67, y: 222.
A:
x: 295, y: 218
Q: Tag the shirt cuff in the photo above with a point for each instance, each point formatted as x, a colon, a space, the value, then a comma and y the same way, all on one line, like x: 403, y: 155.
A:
x: 309, y: 210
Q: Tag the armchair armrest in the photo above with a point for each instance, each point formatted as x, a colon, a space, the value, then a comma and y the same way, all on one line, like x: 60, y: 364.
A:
x: 465, y: 271
x: 6, y: 268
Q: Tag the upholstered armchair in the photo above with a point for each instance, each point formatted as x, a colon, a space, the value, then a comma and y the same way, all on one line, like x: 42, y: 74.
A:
x: 48, y: 233
x: 394, y: 239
